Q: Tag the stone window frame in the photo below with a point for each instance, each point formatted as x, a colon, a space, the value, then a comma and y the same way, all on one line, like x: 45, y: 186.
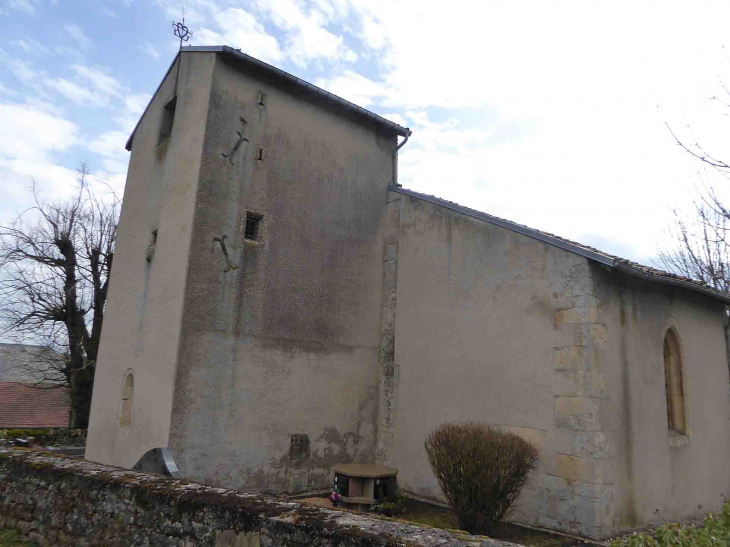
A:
x: 675, y: 388
x: 126, y: 399
x: 263, y: 227
x: 167, y: 121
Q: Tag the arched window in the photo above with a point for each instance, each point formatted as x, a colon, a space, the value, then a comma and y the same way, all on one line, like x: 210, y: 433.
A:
x: 125, y: 408
x: 674, y: 384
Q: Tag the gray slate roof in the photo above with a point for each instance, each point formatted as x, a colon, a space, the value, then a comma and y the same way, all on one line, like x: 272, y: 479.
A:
x: 624, y: 265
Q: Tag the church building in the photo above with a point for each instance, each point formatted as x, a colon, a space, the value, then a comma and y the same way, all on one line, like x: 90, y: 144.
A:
x: 279, y: 304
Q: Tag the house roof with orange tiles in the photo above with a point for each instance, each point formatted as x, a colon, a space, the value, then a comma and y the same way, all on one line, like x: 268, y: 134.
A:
x: 21, y: 404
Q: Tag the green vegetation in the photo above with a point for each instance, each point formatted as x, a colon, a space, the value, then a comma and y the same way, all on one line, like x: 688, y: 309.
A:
x: 715, y: 531
x: 393, y: 507
x: 46, y: 437
x: 11, y: 538
x: 480, y: 470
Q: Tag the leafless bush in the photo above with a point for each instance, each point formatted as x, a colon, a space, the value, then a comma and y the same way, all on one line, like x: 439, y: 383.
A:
x: 481, y: 471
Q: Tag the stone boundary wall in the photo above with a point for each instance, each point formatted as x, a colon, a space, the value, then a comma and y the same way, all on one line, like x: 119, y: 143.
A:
x: 58, y: 501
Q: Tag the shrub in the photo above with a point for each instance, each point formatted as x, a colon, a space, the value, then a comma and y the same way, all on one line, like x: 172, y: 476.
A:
x: 715, y: 531
x: 480, y: 470
x: 392, y: 507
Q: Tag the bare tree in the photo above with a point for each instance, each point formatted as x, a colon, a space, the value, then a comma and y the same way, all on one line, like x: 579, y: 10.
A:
x: 702, y: 248
x: 702, y: 251
x: 55, y: 261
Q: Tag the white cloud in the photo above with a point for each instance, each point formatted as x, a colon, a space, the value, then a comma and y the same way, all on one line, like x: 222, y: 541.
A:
x: 307, y: 38
x: 372, y: 32
x: 136, y: 104
x: 28, y: 143
x: 29, y: 133
x: 354, y: 87
x: 5, y: 90
x: 98, y: 79
x: 349, y: 55
x: 22, y: 5
x: 23, y: 71
x: 238, y: 28
x: 31, y: 46
x: 75, y: 93
x: 109, y: 144
x: 150, y: 50
x: 67, y: 51
x: 78, y: 35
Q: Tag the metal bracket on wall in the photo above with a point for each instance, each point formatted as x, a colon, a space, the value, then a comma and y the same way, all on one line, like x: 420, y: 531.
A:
x: 222, y: 241
x: 236, y: 146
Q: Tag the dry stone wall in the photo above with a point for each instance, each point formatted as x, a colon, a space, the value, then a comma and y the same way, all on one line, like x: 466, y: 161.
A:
x: 57, y: 501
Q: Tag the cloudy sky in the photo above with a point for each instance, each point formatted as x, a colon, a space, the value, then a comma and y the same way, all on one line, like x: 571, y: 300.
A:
x: 549, y: 113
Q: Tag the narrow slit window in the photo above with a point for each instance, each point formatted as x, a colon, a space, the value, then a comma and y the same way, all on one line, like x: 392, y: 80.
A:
x: 168, y: 118
x: 125, y: 407
x: 673, y: 377
x: 252, y: 230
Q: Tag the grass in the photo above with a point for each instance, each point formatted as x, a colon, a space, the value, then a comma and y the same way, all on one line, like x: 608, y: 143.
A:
x: 445, y: 518
x: 11, y: 538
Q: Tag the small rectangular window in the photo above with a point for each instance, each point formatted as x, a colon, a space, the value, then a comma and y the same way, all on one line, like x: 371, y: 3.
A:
x: 168, y: 118
x: 252, y: 230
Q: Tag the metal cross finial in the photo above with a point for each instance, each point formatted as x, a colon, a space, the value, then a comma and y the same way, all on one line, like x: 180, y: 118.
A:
x: 181, y: 31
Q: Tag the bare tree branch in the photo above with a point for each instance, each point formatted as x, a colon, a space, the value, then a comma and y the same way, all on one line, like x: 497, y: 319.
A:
x: 55, y: 262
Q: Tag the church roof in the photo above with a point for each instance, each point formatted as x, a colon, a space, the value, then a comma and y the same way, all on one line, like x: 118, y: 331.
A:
x: 624, y: 265
x: 285, y: 78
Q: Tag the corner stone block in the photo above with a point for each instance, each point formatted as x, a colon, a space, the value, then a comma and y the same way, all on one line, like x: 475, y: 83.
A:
x: 534, y: 436
x: 579, y: 413
x: 572, y: 334
x: 582, y: 469
x: 599, y: 334
x: 569, y: 357
x: 593, y: 444
x: 581, y: 285
x: 580, y: 314
x: 390, y: 251
x: 567, y: 384
x: 557, y: 486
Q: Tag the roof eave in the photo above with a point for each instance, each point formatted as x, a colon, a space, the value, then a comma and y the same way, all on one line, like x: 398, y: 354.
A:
x: 310, y: 88
x: 611, y: 262
x: 285, y: 76
x: 694, y: 287
x: 128, y: 146
x: 535, y: 234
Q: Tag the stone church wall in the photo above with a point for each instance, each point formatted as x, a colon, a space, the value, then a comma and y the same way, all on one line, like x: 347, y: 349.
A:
x: 144, y: 314
x: 498, y: 327
x: 494, y: 326
x: 680, y: 476
x: 278, y: 371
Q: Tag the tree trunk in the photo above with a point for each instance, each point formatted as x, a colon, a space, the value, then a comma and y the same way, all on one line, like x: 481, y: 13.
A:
x: 82, y: 383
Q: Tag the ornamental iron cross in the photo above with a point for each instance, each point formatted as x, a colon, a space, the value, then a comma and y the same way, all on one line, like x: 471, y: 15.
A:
x: 181, y: 31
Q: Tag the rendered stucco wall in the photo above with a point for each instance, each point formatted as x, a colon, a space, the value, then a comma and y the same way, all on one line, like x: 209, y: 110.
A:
x: 475, y: 339
x: 681, y: 477
x: 143, y: 319
x: 278, y: 373
x: 494, y: 326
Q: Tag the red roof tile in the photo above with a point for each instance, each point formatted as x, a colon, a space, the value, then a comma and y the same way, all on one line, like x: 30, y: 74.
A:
x: 22, y: 406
